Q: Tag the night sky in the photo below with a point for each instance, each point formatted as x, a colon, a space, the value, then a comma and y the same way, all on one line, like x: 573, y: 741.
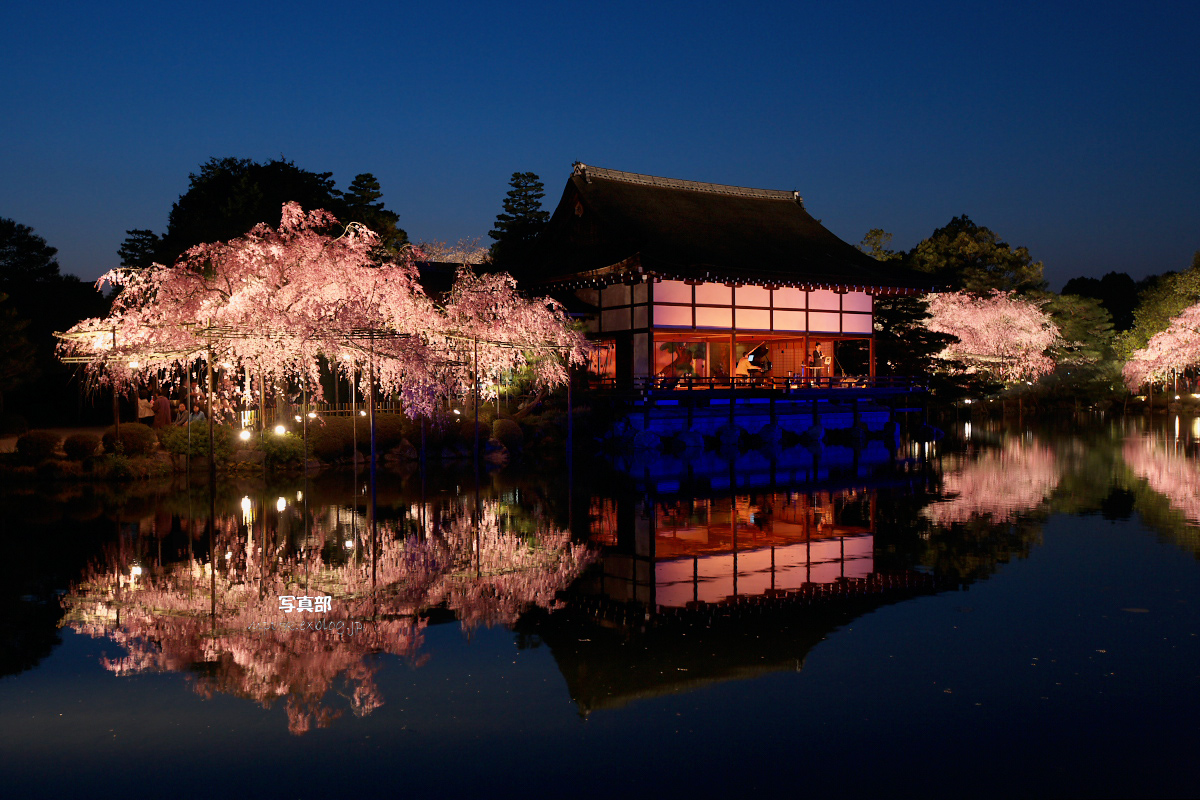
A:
x: 1072, y: 129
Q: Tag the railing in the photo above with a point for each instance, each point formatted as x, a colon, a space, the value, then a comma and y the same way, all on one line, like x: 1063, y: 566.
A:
x: 781, y: 385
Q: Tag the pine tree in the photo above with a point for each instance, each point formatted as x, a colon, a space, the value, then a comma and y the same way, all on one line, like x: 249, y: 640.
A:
x: 521, y: 221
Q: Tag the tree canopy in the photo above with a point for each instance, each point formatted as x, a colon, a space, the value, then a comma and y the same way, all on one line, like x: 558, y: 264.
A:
x: 229, y: 196
x: 1161, y: 302
x: 972, y: 258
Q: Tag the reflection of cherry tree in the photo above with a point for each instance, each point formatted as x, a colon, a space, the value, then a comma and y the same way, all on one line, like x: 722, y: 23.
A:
x: 998, y: 484
x: 228, y: 630
x: 1000, y: 333
x: 491, y: 576
x: 1176, y: 477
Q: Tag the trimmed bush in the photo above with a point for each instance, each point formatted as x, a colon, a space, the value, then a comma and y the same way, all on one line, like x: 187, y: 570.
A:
x: 175, y: 441
x: 136, y: 439
x: 282, y: 450
x: 509, y: 433
x: 36, y: 446
x: 81, y: 446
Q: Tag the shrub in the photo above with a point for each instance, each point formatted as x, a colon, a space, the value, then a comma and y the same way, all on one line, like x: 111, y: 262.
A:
x: 37, y: 446
x: 334, y: 439
x: 176, y: 442
x: 136, y: 439
x: 81, y: 446
x: 509, y: 433
x: 116, y: 467
x: 280, y: 450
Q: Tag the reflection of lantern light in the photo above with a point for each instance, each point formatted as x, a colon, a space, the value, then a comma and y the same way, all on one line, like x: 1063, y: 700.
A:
x: 280, y: 504
x: 362, y: 413
x: 228, y: 555
x: 244, y: 435
x: 349, y: 544
x: 136, y: 570
x: 280, y: 430
x: 297, y: 418
x: 967, y: 431
x: 457, y: 412
x: 312, y: 415
x: 246, y: 504
x: 299, y: 496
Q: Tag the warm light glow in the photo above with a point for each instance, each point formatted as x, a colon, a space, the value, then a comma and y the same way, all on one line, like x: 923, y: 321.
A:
x: 280, y: 430
x: 967, y: 431
x: 968, y: 401
x: 298, y: 418
x: 246, y: 505
x: 362, y: 413
x: 136, y: 570
x: 349, y: 544
x: 457, y: 412
x: 312, y: 415
x: 280, y: 504
x: 244, y: 435
x: 299, y: 496
x: 228, y: 555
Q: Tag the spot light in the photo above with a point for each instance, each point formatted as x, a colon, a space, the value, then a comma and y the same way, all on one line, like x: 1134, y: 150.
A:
x: 280, y: 430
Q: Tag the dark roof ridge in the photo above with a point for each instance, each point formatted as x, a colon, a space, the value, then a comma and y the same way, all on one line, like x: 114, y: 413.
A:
x: 588, y: 172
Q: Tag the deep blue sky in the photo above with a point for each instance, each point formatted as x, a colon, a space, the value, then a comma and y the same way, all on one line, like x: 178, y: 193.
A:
x: 1072, y: 129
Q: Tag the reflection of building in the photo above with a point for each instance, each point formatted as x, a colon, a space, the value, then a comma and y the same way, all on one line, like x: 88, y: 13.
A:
x: 683, y: 279
x: 681, y: 553
x: 692, y: 592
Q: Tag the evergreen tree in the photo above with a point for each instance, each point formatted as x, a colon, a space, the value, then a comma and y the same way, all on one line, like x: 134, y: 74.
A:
x: 363, y: 204
x: 520, y: 222
x: 140, y: 248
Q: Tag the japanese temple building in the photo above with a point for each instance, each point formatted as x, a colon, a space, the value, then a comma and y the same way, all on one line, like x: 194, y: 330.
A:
x: 679, y: 279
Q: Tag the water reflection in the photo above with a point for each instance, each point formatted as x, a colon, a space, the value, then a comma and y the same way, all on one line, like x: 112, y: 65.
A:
x: 217, y: 612
x: 638, y: 593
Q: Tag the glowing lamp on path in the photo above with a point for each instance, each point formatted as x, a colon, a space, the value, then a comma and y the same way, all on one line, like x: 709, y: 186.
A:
x: 244, y: 436
x: 280, y: 430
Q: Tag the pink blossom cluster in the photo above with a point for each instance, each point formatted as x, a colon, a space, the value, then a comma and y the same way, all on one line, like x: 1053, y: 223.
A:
x: 270, y: 303
x: 1171, y: 350
x: 999, y: 333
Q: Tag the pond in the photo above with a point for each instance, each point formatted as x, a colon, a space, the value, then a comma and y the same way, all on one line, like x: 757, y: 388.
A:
x: 1004, y: 611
